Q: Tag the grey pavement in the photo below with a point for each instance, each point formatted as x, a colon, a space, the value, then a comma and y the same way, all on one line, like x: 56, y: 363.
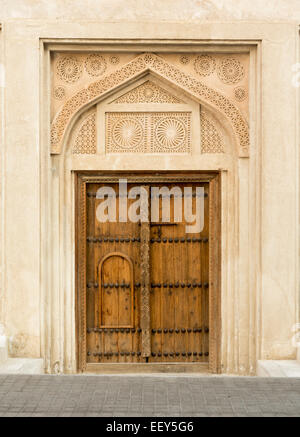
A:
x: 144, y: 395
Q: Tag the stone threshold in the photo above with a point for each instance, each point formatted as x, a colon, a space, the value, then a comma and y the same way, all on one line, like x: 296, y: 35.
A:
x: 22, y: 366
x: 278, y: 368
x: 136, y: 368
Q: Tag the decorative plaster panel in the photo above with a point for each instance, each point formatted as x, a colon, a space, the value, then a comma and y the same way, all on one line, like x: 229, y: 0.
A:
x: 150, y: 62
x: 71, y: 72
x: 160, y: 132
x: 220, y: 71
x: 85, y: 140
x: 211, y: 139
x: 148, y: 92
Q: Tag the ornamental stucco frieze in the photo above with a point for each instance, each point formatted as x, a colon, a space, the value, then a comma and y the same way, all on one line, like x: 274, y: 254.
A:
x: 223, y: 75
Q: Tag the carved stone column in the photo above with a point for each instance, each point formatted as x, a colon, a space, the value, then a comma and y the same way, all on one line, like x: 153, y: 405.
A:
x: 145, y: 276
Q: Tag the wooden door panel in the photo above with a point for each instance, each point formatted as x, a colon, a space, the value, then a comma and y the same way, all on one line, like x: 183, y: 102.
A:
x: 115, y: 308
x: 179, y: 294
x: 113, y: 302
x: 179, y: 291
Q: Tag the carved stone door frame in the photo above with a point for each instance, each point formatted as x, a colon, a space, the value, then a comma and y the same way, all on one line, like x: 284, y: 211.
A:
x: 213, y: 178
x: 240, y: 195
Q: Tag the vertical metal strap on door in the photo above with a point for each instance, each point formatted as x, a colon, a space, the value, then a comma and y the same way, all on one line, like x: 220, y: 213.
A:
x: 145, y: 275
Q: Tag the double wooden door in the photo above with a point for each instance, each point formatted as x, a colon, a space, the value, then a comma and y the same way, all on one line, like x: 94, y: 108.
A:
x: 147, y: 286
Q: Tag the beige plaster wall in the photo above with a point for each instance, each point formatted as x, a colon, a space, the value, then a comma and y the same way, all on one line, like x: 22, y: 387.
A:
x: 21, y: 195
x: 23, y: 161
x: 148, y: 10
x: 2, y: 83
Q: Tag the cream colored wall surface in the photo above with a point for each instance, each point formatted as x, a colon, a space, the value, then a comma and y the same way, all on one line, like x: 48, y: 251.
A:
x: 2, y: 87
x: 166, y: 10
x: 21, y: 179
x: 279, y: 150
x: 272, y: 291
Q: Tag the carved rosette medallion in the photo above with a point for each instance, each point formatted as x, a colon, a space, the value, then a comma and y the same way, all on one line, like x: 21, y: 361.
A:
x: 69, y: 69
x: 125, y: 132
x: 240, y: 93
x: 204, y: 65
x: 230, y: 71
x: 59, y: 93
x: 95, y: 64
x: 114, y: 60
x: 170, y: 133
x: 184, y: 60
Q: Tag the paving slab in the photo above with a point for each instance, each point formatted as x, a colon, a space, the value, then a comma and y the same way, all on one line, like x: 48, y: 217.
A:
x: 150, y: 396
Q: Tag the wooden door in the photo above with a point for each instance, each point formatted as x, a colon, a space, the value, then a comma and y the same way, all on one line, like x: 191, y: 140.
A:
x: 179, y: 287
x: 113, y: 284
x: 147, y: 290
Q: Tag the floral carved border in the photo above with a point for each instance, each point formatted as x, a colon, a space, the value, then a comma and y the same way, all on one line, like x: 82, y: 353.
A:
x: 143, y: 63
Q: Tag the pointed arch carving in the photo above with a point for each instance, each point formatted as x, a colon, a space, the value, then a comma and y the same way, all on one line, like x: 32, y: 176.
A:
x: 149, y: 62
